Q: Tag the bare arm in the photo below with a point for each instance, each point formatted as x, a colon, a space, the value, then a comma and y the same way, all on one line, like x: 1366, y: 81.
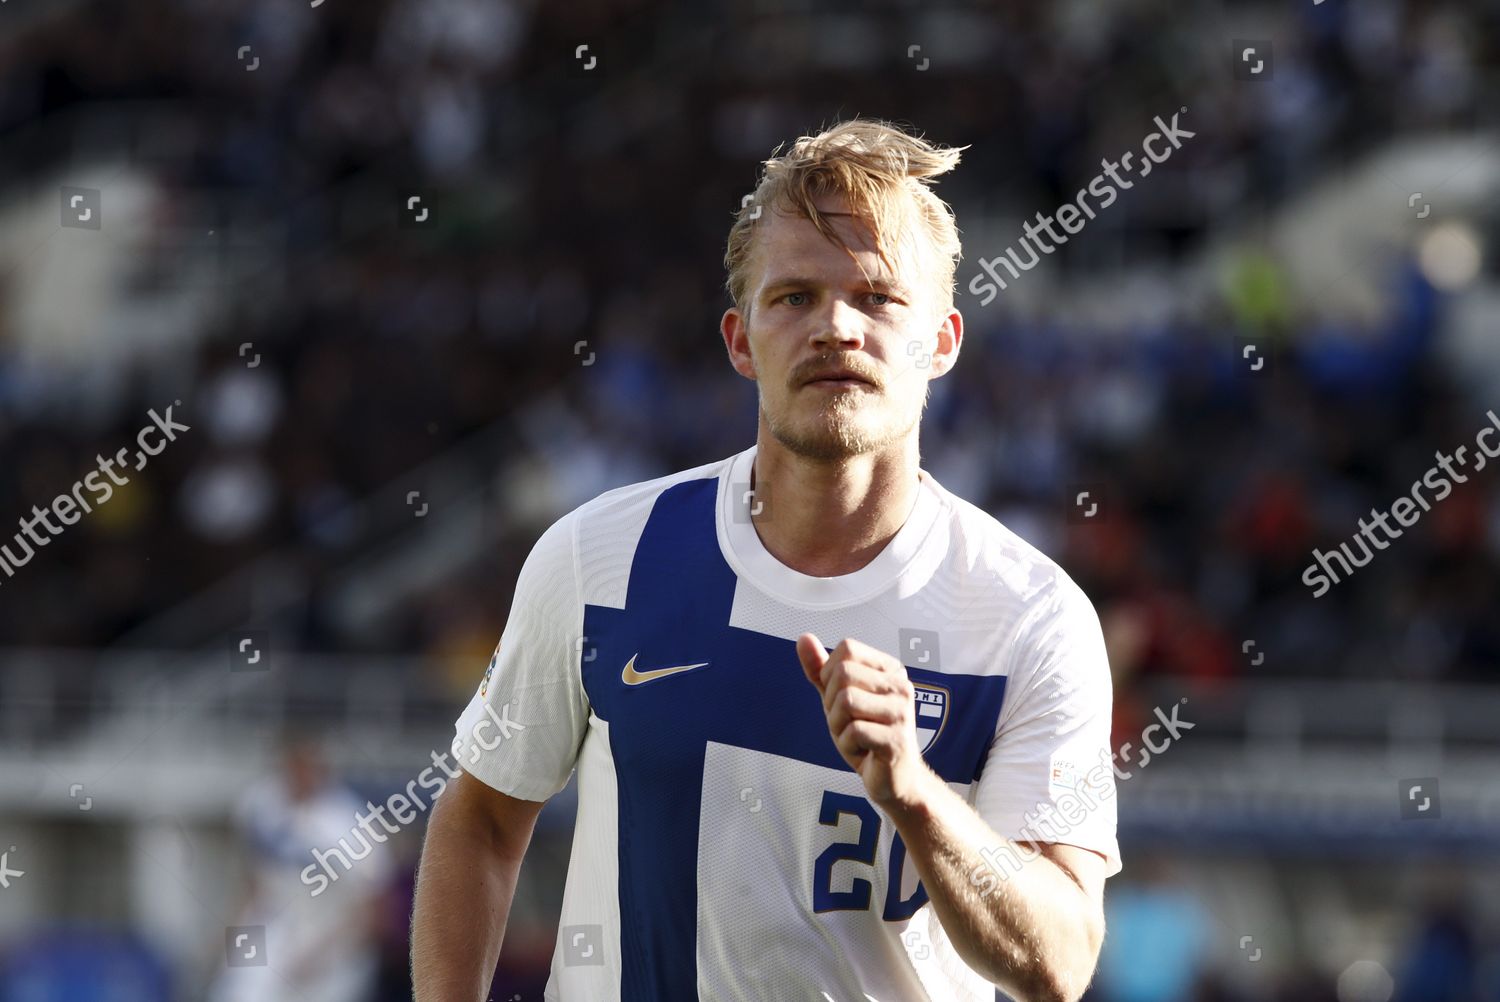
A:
x: 1037, y: 931
x: 465, y: 882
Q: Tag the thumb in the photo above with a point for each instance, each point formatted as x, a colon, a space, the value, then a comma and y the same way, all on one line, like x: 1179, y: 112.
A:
x: 813, y: 657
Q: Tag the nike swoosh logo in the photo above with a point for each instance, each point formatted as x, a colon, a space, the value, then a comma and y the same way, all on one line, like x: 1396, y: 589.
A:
x: 632, y: 677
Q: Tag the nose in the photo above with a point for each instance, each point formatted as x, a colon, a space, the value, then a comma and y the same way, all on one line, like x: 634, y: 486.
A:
x: 839, y: 324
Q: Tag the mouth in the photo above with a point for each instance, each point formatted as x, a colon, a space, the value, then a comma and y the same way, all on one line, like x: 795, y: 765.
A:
x: 839, y: 380
x: 834, y: 382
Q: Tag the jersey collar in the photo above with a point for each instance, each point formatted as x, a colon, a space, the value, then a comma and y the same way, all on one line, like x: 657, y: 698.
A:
x: 748, y: 556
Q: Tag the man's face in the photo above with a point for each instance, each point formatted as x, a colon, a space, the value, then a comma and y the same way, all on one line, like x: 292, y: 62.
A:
x: 810, y: 312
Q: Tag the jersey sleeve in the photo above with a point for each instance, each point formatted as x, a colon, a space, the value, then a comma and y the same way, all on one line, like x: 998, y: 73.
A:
x: 522, y: 731
x: 1049, y: 774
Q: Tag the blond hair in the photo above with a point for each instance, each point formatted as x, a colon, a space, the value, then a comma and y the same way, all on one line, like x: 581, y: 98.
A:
x: 884, y: 173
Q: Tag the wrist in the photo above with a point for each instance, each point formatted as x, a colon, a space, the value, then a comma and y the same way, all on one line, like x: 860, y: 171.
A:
x: 915, y: 802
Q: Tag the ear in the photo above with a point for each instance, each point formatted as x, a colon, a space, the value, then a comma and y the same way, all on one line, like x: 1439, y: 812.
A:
x: 949, y: 338
x: 735, y: 328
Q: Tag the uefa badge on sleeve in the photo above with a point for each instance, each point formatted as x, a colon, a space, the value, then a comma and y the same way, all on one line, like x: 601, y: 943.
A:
x: 1063, y: 775
x: 484, y: 686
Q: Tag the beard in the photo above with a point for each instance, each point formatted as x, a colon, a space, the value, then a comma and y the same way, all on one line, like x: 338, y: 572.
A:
x: 847, y: 425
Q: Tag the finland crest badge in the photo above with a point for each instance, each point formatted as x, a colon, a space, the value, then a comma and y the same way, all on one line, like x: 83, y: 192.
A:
x: 932, y: 712
x: 484, y: 686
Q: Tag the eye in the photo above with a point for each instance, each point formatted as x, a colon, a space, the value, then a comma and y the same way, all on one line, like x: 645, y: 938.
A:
x: 885, y: 297
x: 789, y: 295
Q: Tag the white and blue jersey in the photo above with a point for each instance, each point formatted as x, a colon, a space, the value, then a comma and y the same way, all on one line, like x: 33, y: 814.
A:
x: 723, y: 849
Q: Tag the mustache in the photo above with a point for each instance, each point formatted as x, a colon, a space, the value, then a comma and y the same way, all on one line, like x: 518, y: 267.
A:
x: 818, y: 367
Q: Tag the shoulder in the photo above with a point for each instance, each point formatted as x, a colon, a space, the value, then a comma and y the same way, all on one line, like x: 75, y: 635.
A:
x: 623, y: 508
x: 1016, y: 574
x: 1046, y: 631
x: 635, y: 500
x: 596, y: 540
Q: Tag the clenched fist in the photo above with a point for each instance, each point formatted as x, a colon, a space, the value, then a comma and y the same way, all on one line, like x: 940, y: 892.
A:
x: 869, y: 703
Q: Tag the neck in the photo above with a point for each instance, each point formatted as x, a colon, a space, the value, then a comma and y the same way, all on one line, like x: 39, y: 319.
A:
x: 826, y: 518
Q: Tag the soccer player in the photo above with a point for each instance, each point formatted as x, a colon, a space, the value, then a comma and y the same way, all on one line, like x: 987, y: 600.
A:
x: 761, y: 817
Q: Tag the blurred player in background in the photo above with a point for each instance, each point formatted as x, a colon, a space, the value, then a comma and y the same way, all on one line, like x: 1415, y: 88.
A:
x: 761, y: 817
x: 323, y: 947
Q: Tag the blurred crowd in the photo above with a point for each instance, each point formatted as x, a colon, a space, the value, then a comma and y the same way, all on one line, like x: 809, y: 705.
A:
x: 591, y: 206
x: 580, y: 214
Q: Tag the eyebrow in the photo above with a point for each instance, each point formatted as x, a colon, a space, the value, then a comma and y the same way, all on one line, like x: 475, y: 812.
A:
x: 791, y: 280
